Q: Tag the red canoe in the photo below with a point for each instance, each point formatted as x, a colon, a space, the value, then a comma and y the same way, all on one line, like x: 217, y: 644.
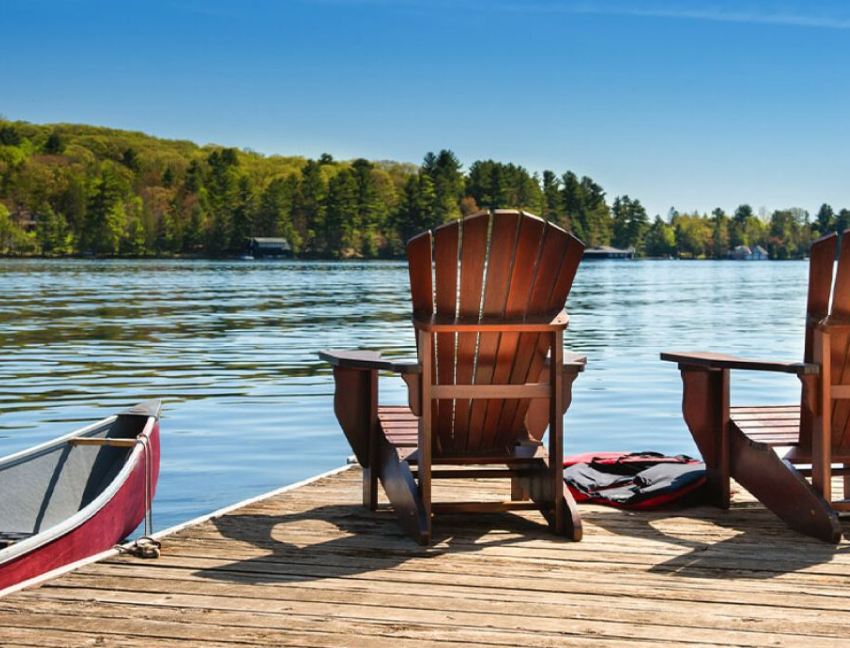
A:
x: 78, y: 495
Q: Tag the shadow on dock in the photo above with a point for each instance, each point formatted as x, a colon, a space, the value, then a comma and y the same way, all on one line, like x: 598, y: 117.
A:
x: 335, y: 541
x: 310, y: 567
x: 346, y: 540
x: 745, y: 542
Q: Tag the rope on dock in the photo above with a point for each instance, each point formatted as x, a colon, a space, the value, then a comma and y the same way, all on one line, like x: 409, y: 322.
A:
x: 146, y: 546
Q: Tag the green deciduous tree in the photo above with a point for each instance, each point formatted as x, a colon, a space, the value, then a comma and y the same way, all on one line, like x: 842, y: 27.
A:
x: 693, y: 235
x: 54, y: 144
x: 52, y: 233
x: 660, y: 239
x: 134, y: 240
x: 13, y: 239
x: 79, y: 189
x: 9, y: 135
x: 719, y: 234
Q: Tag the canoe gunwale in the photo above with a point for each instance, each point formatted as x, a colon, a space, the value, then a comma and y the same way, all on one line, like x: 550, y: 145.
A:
x: 24, y: 547
x: 29, y: 453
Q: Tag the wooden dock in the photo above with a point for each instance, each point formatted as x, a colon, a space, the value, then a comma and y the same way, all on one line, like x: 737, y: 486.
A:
x: 310, y: 567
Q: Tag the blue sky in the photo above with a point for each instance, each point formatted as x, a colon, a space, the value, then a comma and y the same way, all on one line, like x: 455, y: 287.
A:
x: 685, y: 103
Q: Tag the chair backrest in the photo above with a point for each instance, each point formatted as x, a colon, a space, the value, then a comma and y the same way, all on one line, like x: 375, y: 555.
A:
x: 829, y: 297
x: 500, y: 263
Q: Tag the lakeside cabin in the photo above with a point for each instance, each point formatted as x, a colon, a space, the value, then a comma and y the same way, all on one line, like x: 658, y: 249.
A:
x: 745, y: 253
x: 268, y: 248
x: 608, y: 252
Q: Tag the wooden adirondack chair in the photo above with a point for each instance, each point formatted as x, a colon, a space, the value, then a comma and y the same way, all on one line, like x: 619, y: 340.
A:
x: 488, y: 293
x: 770, y: 450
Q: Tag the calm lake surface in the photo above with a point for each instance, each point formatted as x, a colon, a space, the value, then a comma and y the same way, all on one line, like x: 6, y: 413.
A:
x: 231, y: 347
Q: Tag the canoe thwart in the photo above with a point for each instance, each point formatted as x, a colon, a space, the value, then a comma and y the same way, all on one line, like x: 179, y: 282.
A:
x: 116, y: 443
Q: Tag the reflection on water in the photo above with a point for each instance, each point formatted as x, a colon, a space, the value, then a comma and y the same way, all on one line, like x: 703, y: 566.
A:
x: 231, y: 348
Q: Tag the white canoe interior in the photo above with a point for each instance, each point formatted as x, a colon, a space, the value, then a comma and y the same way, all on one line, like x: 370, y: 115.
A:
x: 49, y: 489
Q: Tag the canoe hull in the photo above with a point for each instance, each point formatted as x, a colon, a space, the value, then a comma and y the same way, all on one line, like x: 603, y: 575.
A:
x: 110, y: 524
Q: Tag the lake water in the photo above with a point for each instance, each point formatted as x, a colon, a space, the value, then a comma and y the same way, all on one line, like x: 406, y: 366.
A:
x: 231, y: 347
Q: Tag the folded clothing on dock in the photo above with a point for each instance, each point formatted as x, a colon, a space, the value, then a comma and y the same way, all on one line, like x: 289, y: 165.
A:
x: 636, y: 480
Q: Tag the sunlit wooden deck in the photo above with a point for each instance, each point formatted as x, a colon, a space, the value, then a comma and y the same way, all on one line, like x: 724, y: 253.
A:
x: 311, y: 567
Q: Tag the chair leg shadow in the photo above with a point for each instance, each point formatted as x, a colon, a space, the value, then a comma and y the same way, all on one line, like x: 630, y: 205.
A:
x: 743, y: 542
x: 340, y: 541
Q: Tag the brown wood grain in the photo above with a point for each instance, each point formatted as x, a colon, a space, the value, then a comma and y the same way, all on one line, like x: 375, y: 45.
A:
x: 503, y: 240
x: 821, y: 260
x: 840, y: 346
x: 527, y: 251
x: 563, y: 277
x: 446, y: 242
x: 473, y: 255
x: 420, y: 269
x: 311, y: 568
x: 529, y: 353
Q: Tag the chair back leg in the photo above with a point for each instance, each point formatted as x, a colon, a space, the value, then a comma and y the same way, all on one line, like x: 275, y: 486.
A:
x: 370, y: 488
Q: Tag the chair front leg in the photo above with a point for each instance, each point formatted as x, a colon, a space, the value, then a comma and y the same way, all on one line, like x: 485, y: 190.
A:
x: 356, y: 409
x: 705, y: 407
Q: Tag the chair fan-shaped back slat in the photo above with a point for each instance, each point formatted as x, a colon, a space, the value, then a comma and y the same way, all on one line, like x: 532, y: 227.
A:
x: 491, y: 264
x: 446, y: 241
x: 473, y: 255
x: 821, y: 262
x: 420, y: 271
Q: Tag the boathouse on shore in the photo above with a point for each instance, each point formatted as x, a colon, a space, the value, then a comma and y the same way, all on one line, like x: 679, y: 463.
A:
x: 608, y: 252
x: 266, y: 247
x: 745, y: 253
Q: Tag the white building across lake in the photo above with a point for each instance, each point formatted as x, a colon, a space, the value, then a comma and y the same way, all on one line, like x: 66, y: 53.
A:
x: 746, y: 253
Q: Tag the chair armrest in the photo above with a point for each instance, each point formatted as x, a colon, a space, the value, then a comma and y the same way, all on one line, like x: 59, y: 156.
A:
x: 531, y: 324
x: 572, y: 361
x: 369, y: 360
x: 721, y: 361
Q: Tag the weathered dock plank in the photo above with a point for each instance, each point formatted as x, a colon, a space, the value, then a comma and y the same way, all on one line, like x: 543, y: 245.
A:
x: 310, y: 567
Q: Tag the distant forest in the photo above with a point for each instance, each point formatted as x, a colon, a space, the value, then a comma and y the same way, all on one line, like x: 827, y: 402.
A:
x: 84, y: 190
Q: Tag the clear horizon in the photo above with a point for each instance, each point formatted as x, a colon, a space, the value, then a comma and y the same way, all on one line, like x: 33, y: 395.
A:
x: 675, y: 103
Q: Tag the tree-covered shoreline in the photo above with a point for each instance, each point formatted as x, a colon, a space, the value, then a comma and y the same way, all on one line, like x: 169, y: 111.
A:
x: 73, y: 190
